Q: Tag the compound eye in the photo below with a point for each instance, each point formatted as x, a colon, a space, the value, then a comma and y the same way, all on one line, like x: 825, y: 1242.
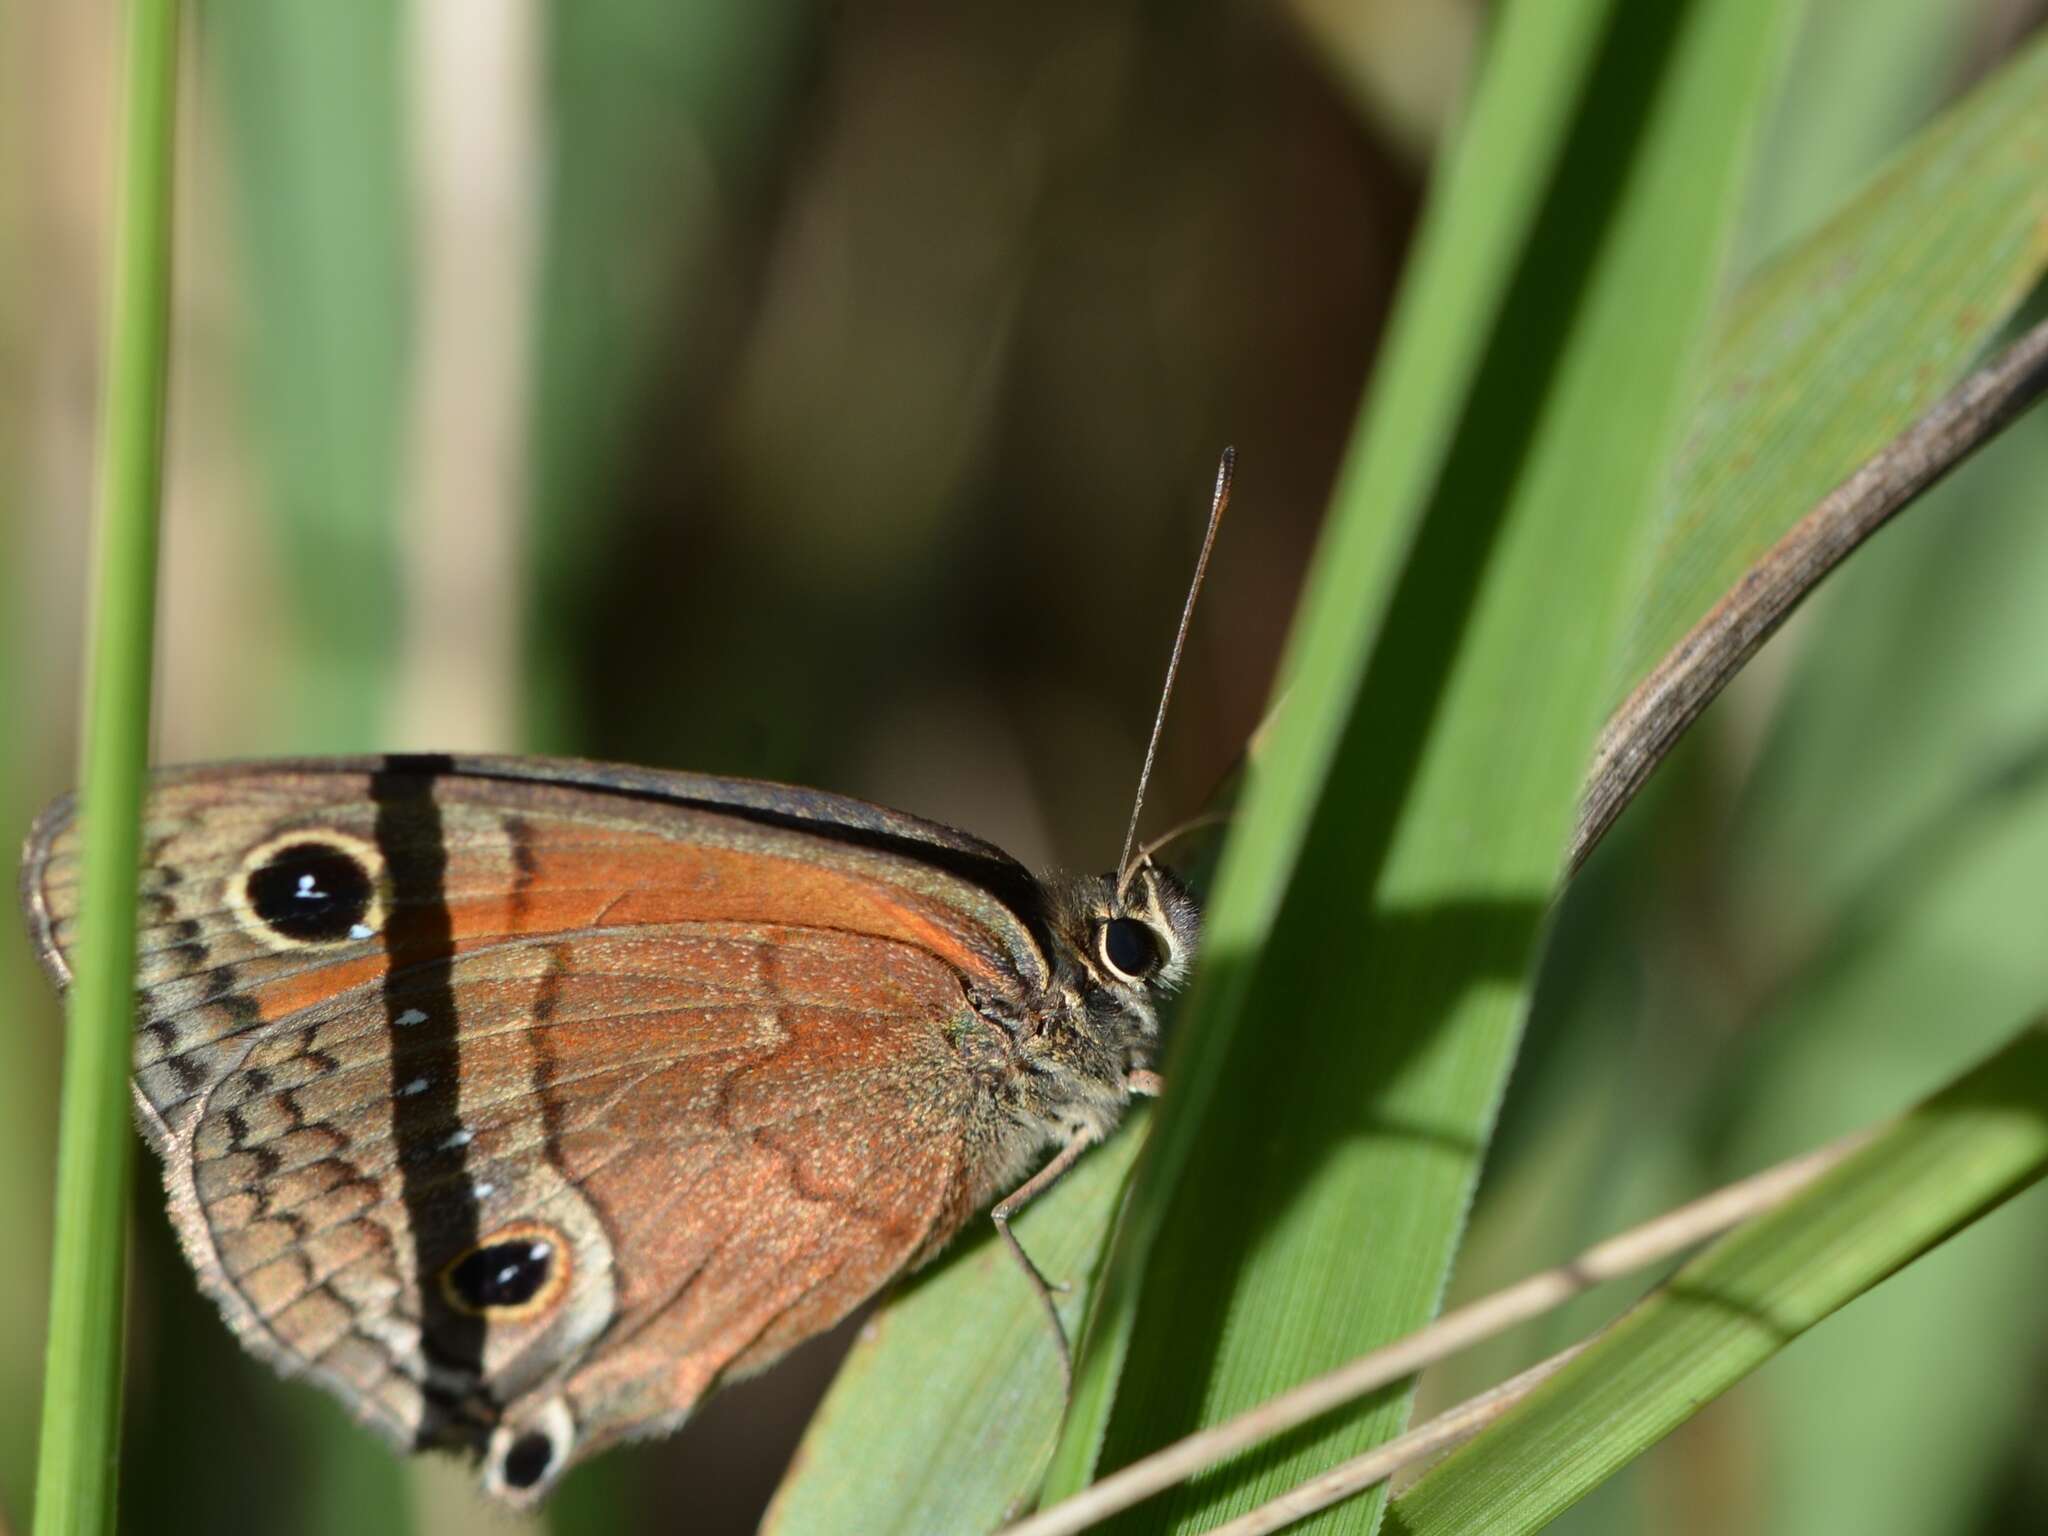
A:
x: 1128, y: 948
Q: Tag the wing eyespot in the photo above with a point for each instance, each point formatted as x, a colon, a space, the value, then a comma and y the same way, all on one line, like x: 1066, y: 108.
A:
x: 527, y: 1460
x: 529, y: 1451
x: 310, y: 888
x: 516, y: 1272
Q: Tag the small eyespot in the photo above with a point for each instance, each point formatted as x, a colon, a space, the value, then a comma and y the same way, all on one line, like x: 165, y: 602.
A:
x: 316, y: 887
x: 527, y: 1460
x: 514, y: 1272
x: 1128, y: 948
x: 528, y: 1453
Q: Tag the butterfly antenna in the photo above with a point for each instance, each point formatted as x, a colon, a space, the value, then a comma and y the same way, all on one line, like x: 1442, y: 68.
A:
x: 1218, y: 500
x: 1174, y: 834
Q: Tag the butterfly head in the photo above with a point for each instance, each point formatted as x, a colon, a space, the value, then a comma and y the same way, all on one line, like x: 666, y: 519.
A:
x: 1131, y: 943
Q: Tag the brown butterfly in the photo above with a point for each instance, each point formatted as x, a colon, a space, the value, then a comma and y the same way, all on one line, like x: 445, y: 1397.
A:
x: 519, y: 1102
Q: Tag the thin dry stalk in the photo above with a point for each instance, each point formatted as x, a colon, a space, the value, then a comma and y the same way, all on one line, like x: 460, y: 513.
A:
x: 1449, y: 1429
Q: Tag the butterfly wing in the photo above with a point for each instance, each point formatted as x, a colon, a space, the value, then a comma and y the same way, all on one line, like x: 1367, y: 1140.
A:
x: 519, y: 1101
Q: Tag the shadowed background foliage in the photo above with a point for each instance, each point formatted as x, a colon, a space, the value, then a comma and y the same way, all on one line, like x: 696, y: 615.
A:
x: 830, y: 393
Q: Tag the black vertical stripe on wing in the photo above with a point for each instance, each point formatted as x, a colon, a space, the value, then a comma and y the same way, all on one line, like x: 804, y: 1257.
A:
x: 441, y: 1210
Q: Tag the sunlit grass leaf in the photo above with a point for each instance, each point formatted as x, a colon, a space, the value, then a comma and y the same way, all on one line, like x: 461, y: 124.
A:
x: 1960, y: 1154
x: 1319, y: 1199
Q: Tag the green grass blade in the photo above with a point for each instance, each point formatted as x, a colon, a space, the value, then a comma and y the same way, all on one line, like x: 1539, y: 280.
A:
x: 1921, y: 691
x: 1460, y: 275
x: 1319, y: 1201
x: 1943, y: 1363
x: 81, y: 1434
x: 1957, y: 1156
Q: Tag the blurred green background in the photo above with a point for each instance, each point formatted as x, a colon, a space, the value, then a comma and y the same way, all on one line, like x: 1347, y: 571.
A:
x: 831, y: 393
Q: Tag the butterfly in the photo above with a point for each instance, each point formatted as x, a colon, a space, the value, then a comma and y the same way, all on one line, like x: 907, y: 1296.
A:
x: 519, y: 1101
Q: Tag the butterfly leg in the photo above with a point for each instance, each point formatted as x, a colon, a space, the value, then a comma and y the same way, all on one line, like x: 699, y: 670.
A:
x: 1141, y: 1083
x: 1014, y: 1202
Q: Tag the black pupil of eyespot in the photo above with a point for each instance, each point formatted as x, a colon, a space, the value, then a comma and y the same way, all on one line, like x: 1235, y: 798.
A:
x: 526, y: 1461
x: 311, y: 891
x: 1129, y: 946
x: 502, y: 1274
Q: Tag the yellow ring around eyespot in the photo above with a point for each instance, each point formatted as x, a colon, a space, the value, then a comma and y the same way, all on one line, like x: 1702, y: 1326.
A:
x: 551, y: 1289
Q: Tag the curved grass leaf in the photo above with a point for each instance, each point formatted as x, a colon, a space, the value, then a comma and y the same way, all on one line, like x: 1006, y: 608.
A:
x: 1317, y: 1211
x: 1834, y: 347
x: 1939, y: 1365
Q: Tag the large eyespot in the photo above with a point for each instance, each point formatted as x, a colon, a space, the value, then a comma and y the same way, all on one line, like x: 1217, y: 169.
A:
x: 1128, y: 947
x: 312, y: 887
x: 514, y: 1272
